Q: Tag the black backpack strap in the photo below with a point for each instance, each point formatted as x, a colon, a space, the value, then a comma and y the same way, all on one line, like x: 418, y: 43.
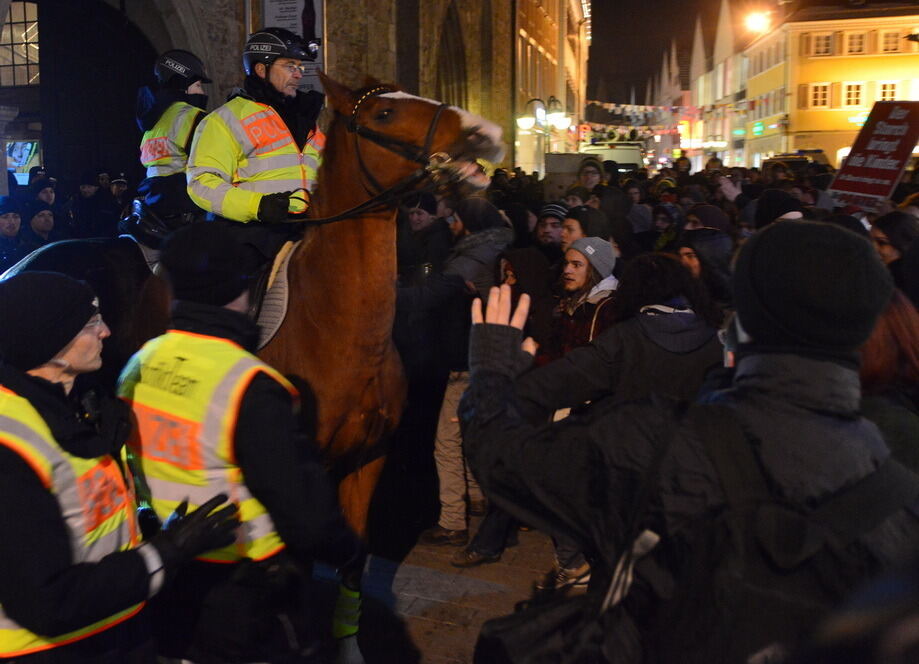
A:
x: 860, y: 508
x: 723, y: 437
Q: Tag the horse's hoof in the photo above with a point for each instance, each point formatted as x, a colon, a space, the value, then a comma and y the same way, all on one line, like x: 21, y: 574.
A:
x: 349, y: 652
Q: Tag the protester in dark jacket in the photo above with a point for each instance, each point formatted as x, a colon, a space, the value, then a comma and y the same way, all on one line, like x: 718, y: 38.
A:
x: 663, y: 340
x: 796, y: 394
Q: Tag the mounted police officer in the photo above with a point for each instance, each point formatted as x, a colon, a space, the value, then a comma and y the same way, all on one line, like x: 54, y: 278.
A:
x: 261, y: 146
x: 74, y: 577
x: 168, y: 115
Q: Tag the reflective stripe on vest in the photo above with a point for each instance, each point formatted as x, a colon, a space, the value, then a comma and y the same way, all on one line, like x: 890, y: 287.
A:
x: 263, y: 158
x: 162, y: 149
x: 185, y: 390
x: 95, y: 500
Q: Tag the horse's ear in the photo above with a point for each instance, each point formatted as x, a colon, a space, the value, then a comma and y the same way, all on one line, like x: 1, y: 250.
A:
x: 339, y: 97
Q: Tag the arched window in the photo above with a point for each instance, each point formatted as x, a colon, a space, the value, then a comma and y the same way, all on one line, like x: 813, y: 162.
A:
x: 451, y: 61
x: 19, y: 45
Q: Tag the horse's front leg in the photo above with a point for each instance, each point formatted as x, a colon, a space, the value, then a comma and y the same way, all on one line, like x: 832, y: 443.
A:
x: 355, y: 492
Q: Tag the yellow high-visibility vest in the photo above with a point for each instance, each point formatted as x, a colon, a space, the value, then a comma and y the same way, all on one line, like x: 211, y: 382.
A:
x: 164, y: 148
x: 185, y: 390
x: 97, y: 503
x: 244, y: 150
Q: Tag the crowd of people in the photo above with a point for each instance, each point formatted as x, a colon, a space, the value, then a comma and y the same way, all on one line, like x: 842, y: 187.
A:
x: 718, y: 531
x: 633, y: 293
x: 38, y: 213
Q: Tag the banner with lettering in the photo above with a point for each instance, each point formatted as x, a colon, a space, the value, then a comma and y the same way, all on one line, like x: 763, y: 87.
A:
x: 880, y: 153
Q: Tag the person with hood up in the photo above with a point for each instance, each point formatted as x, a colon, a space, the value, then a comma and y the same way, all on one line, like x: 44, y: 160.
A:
x: 168, y: 114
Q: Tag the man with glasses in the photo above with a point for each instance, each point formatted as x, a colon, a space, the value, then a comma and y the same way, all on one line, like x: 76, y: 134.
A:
x: 252, y: 158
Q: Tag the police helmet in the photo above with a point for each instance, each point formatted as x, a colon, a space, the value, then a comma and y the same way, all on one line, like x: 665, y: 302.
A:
x: 178, y: 68
x: 268, y: 45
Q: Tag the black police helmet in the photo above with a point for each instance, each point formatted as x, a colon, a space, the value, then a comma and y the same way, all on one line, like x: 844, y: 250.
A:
x: 178, y: 68
x: 268, y: 45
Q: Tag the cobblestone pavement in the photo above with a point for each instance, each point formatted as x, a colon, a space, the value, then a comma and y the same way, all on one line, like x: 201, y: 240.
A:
x: 439, y: 608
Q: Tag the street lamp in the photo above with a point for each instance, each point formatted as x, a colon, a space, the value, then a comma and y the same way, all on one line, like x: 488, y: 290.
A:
x: 758, y: 22
x: 556, y: 115
x: 534, y: 114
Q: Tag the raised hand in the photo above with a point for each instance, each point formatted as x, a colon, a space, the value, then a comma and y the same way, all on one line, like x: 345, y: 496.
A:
x: 498, y: 312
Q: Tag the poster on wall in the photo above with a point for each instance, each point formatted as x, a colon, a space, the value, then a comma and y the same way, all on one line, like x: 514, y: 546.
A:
x: 880, y: 153
x: 305, y: 18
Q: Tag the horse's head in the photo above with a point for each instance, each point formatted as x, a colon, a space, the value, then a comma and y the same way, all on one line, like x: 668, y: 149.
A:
x: 396, y: 134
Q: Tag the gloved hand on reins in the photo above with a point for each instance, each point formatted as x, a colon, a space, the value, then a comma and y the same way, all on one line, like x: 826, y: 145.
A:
x: 272, y: 209
x: 185, y: 536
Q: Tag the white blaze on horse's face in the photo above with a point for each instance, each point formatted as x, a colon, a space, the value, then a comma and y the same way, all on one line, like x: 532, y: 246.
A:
x: 490, y: 147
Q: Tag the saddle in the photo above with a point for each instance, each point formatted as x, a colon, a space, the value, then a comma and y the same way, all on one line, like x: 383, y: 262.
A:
x: 270, y: 300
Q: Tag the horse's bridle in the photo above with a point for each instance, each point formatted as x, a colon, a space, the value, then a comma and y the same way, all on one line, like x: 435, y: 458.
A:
x: 430, y: 164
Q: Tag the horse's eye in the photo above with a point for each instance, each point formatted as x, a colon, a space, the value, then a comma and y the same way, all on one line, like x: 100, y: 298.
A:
x: 383, y: 115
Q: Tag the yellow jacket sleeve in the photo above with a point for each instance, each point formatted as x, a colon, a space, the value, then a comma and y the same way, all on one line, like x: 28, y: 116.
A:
x: 212, y: 164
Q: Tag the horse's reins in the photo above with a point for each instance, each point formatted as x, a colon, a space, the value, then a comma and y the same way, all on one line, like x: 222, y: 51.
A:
x: 419, y: 154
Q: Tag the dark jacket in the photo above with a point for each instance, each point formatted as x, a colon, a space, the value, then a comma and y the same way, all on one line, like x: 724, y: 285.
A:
x: 573, y: 329
x: 282, y: 469
x: 12, y: 250
x: 423, y: 252
x: 579, y: 478
x: 472, y: 261
x: 40, y: 586
x: 667, y: 354
x: 896, y: 414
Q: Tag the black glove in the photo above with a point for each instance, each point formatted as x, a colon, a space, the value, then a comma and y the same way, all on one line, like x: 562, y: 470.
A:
x: 272, y: 209
x: 184, y: 537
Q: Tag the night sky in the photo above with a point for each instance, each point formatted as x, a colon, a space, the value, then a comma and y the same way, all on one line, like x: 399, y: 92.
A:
x: 628, y: 43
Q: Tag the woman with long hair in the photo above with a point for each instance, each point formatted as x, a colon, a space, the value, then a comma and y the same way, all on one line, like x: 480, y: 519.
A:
x: 890, y: 378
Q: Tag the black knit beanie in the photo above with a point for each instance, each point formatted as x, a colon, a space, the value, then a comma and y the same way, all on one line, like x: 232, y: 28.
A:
x: 40, y: 313
x: 811, y: 285
x: 772, y: 204
x: 204, y: 264
x: 477, y: 214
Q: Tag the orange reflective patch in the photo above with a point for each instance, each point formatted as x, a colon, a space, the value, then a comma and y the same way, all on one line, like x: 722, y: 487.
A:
x: 153, y: 149
x: 102, y: 493
x: 267, y: 132
x: 168, y: 438
x: 318, y: 139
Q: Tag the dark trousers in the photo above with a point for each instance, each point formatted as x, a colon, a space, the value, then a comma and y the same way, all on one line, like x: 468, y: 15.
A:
x: 494, y: 533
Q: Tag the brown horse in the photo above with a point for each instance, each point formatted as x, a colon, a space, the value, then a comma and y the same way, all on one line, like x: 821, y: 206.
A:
x: 337, y: 333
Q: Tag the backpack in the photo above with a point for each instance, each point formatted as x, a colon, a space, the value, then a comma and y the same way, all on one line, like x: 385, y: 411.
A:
x: 756, y: 578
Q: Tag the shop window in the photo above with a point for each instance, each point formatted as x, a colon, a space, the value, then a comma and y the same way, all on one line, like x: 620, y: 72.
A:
x: 19, y: 45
